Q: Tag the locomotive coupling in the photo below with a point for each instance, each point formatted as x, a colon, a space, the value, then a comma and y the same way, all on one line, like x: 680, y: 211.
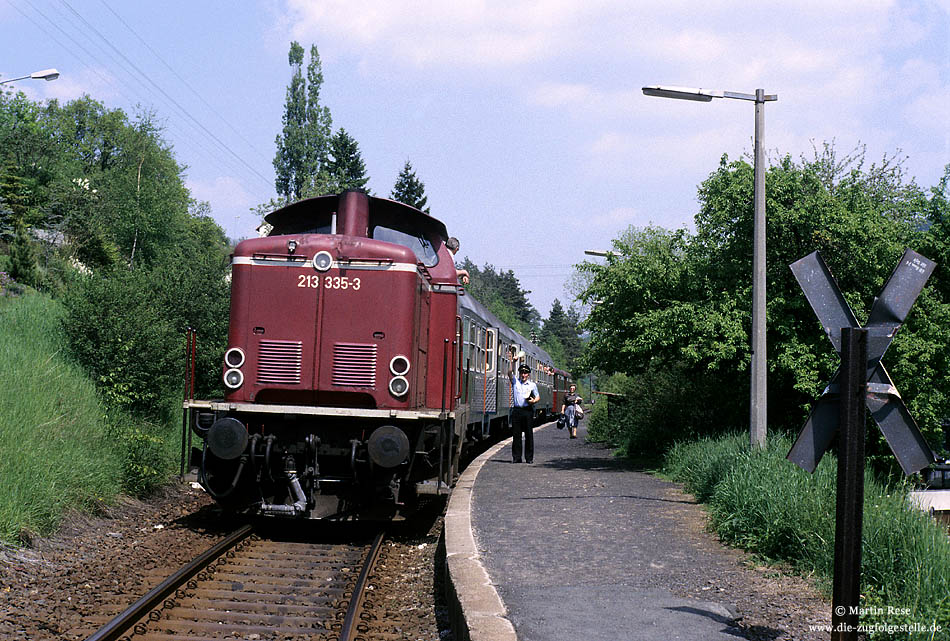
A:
x: 293, y: 481
x: 227, y: 438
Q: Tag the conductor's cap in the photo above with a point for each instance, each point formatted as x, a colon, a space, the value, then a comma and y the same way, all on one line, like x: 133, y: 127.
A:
x: 524, y: 369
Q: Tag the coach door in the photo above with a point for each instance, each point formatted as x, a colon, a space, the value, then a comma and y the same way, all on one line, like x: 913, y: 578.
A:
x: 490, y: 392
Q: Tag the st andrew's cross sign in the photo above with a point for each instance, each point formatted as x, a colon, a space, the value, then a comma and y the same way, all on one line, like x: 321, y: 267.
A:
x: 883, y: 400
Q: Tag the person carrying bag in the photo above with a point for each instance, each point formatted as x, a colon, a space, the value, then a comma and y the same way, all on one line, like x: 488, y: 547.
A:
x: 572, y: 410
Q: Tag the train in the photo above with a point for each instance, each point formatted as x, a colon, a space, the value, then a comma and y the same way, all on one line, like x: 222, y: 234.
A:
x: 358, y: 371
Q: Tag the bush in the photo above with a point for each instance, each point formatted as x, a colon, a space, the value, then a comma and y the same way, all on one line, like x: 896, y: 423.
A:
x: 761, y: 502
x: 23, y: 257
x: 149, y: 453
x: 653, y: 411
x: 117, y: 330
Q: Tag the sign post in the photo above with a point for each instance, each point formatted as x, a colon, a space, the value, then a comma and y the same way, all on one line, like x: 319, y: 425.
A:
x: 861, y: 383
x: 849, y: 509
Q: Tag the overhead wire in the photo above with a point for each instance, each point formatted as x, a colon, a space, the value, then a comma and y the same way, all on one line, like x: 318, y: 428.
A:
x: 94, y: 63
x: 158, y: 88
x: 181, y: 79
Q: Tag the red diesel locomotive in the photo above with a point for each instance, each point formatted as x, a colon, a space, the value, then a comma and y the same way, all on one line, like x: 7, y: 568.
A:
x: 357, y: 370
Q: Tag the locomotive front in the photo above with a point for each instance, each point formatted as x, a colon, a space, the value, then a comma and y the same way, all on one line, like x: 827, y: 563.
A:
x: 342, y: 325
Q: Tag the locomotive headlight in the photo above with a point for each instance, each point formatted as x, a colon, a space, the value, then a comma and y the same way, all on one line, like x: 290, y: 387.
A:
x: 399, y: 365
x: 233, y: 378
x: 322, y: 261
x: 234, y: 357
x: 398, y: 386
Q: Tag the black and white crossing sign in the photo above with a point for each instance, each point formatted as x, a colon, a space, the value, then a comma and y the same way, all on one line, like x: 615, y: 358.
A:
x: 883, y: 400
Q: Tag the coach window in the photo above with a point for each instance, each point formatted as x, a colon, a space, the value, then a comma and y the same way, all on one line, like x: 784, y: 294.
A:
x: 490, y: 348
x: 481, y: 349
x: 472, y: 345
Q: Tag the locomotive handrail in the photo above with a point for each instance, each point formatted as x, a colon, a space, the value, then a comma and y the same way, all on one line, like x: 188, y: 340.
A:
x: 424, y: 271
x: 269, y: 256
x: 191, y: 347
x: 458, y: 337
x: 379, y: 261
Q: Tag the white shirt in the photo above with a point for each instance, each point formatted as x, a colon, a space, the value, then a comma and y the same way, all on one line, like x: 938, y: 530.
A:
x: 523, y: 390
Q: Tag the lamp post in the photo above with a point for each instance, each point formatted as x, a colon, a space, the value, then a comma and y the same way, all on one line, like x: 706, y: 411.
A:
x: 757, y: 410
x: 46, y: 74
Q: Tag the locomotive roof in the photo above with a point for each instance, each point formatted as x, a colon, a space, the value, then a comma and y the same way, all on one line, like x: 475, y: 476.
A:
x: 301, y: 210
x: 469, y: 303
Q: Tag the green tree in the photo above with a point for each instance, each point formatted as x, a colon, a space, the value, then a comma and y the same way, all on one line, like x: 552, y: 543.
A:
x: 304, y: 142
x: 346, y: 168
x: 23, y: 257
x: 560, y: 334
x: 318, y: 129
x: 674, y: 308
x: 502, y: 293
x: 290, y: 162
x: 409, y: 189
x: 15, y: 196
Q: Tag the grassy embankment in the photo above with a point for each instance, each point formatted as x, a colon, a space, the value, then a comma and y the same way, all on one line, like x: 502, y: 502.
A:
x: 761, y: 502
x: 60, y: 447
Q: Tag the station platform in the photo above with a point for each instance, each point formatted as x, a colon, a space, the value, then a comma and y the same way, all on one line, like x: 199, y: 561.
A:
x: 579, y: 545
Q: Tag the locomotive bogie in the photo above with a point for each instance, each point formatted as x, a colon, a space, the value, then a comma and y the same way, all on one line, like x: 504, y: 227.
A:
x: 312, y: 466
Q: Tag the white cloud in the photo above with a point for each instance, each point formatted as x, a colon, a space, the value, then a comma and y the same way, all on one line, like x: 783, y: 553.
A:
x: 479, y: 33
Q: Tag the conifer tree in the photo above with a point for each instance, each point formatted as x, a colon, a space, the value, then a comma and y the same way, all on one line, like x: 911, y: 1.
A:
x: 409, y: 189
x: 23, y: 257
x: 345, y: 167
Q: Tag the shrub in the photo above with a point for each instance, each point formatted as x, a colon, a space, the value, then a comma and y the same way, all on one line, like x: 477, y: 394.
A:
x: 653, y: 411
x: 149, y: 454
x: 118, y: 332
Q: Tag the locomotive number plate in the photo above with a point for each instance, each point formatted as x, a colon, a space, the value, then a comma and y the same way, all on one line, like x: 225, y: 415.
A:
x: 329, y: 282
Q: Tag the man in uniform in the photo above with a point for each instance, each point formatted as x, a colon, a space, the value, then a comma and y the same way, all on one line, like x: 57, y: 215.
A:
x: 524, y: 396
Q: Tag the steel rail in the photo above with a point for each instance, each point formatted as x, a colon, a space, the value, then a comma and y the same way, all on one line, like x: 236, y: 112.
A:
x: 121, y: 623
x: 348, y: 631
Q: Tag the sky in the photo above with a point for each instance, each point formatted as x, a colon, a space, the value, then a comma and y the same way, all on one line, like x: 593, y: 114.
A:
x: 525, y: 120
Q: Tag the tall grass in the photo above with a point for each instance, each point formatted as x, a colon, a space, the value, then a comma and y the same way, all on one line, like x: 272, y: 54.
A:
x: 763, y: 503
x: 54, y: 450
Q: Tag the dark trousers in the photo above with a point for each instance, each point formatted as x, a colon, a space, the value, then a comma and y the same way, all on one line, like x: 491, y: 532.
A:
x: 521, y: 419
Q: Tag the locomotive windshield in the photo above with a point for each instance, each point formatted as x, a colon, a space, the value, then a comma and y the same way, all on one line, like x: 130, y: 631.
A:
x: 320, y: 224
x: 409, y: 235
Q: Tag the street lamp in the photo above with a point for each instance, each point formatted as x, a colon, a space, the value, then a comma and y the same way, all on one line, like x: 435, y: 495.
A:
x: 46, y: 74
x: 757, y: 410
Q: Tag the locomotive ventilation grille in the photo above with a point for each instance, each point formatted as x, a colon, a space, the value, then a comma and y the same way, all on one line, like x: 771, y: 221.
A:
x: 354, y: 365
x: 279, y: 362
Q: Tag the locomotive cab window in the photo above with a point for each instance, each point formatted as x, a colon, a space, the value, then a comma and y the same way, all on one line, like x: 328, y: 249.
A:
x: 311, y: 223
x: 407, y: 233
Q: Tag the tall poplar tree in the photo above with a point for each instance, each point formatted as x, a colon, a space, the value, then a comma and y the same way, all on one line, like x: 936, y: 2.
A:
x: 318, y: 128
x: 409, y: 189
x: 302, y: 145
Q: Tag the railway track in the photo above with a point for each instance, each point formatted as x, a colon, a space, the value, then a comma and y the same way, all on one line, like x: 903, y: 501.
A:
x: 248, y: 587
